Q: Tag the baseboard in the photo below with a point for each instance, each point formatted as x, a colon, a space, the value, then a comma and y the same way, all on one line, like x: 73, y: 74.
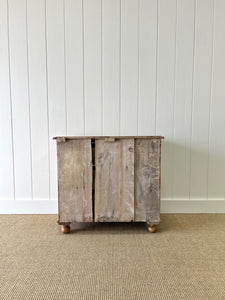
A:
x: 193, y: 206
x: 167, y: 206
x: 28, y: 206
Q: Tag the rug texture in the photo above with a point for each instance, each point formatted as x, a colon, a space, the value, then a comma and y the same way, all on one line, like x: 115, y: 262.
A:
x: 185, y: 259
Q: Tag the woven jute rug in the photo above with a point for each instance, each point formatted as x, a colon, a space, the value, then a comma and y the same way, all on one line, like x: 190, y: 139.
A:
x: 185, y: 259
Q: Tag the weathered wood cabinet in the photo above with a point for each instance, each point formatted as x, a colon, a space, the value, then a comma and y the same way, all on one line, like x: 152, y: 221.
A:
x: 109, y: 179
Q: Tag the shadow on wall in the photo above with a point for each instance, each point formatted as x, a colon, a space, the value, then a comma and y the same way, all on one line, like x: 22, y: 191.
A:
x: 191, y: 173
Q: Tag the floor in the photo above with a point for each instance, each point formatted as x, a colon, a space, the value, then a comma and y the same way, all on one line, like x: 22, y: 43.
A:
x: 185, y: 259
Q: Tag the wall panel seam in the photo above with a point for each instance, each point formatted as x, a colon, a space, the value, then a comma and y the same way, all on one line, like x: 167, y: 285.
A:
x: 138, y: 69
x: 47, y: 95
x: 102, y: 98
x: 174, y: 96
x: 192, y: 98
x: 83, y: 45
x: 28, y: 94
x: 65, y: 69
x: 211, y: 98
x: 120, y: 67
x: 157, y: 62
x: 10, y: 94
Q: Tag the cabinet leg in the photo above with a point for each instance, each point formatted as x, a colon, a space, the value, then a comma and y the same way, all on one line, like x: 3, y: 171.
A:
x: 152, y: 228
x: 65, y: 229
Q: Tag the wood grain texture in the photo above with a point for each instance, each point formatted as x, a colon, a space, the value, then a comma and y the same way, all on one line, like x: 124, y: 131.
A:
x: 114, y: 181
x: 126, y: 180
x: 147, y: 181
x: 75, y: 181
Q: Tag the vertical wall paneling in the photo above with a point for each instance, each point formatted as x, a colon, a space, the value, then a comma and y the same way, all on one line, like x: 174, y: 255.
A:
x: 20, y: 98
x: 166, y: 88
x: 201, y: 99
x: 147, y: 66
x: 93, y: 66
x: 216, y: 178
x: 74, y: 66
x: 183, y: 98
x: 111, y: 66
x: 6, y: 146
x: 56, y: 82
x: 38, y: 94
x: 129, y: 66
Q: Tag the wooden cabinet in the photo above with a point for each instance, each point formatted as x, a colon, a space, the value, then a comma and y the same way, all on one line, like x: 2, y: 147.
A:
x: 109, y: 179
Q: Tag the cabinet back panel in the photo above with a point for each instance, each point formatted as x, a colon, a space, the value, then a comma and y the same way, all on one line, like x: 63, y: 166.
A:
x: 75, y: 180
x: 114, y: 180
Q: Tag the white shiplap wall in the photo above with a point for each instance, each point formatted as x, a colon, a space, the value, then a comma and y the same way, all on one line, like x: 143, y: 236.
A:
x: 113, y: 67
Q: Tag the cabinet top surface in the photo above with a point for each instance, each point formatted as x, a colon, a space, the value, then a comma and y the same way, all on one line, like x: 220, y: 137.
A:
x: 105, y: 137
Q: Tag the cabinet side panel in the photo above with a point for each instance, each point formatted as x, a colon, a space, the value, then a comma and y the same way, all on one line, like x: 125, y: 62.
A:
x: 147, y: 181
x: 75, y: 180
x: 114, y: 183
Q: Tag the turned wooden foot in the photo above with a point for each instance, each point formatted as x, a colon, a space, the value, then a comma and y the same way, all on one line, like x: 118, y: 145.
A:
x: 152, y: 228
x: 65, y: 229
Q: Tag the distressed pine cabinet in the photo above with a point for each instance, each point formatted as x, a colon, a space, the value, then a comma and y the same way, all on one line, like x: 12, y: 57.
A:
x: 109, y: 179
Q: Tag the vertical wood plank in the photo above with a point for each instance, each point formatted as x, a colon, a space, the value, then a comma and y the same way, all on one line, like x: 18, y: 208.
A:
x: 20, y: 98
x: 56, y: 82
x: 201, y: 99
x: 6, y: 145
x: 114, y: 180
x: 74, y: 67
x: 129, y: 66
x: 111, y: 66
x: 107, y: 181
x: 183, y: 98
x: 165, y: 89
x: 147, y: 180
x: 75, y: 180
x: 126, y: 180
x: 92, y: 67
x: 38, y: 98
x: 147, y: 67
x: 216, y: 171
